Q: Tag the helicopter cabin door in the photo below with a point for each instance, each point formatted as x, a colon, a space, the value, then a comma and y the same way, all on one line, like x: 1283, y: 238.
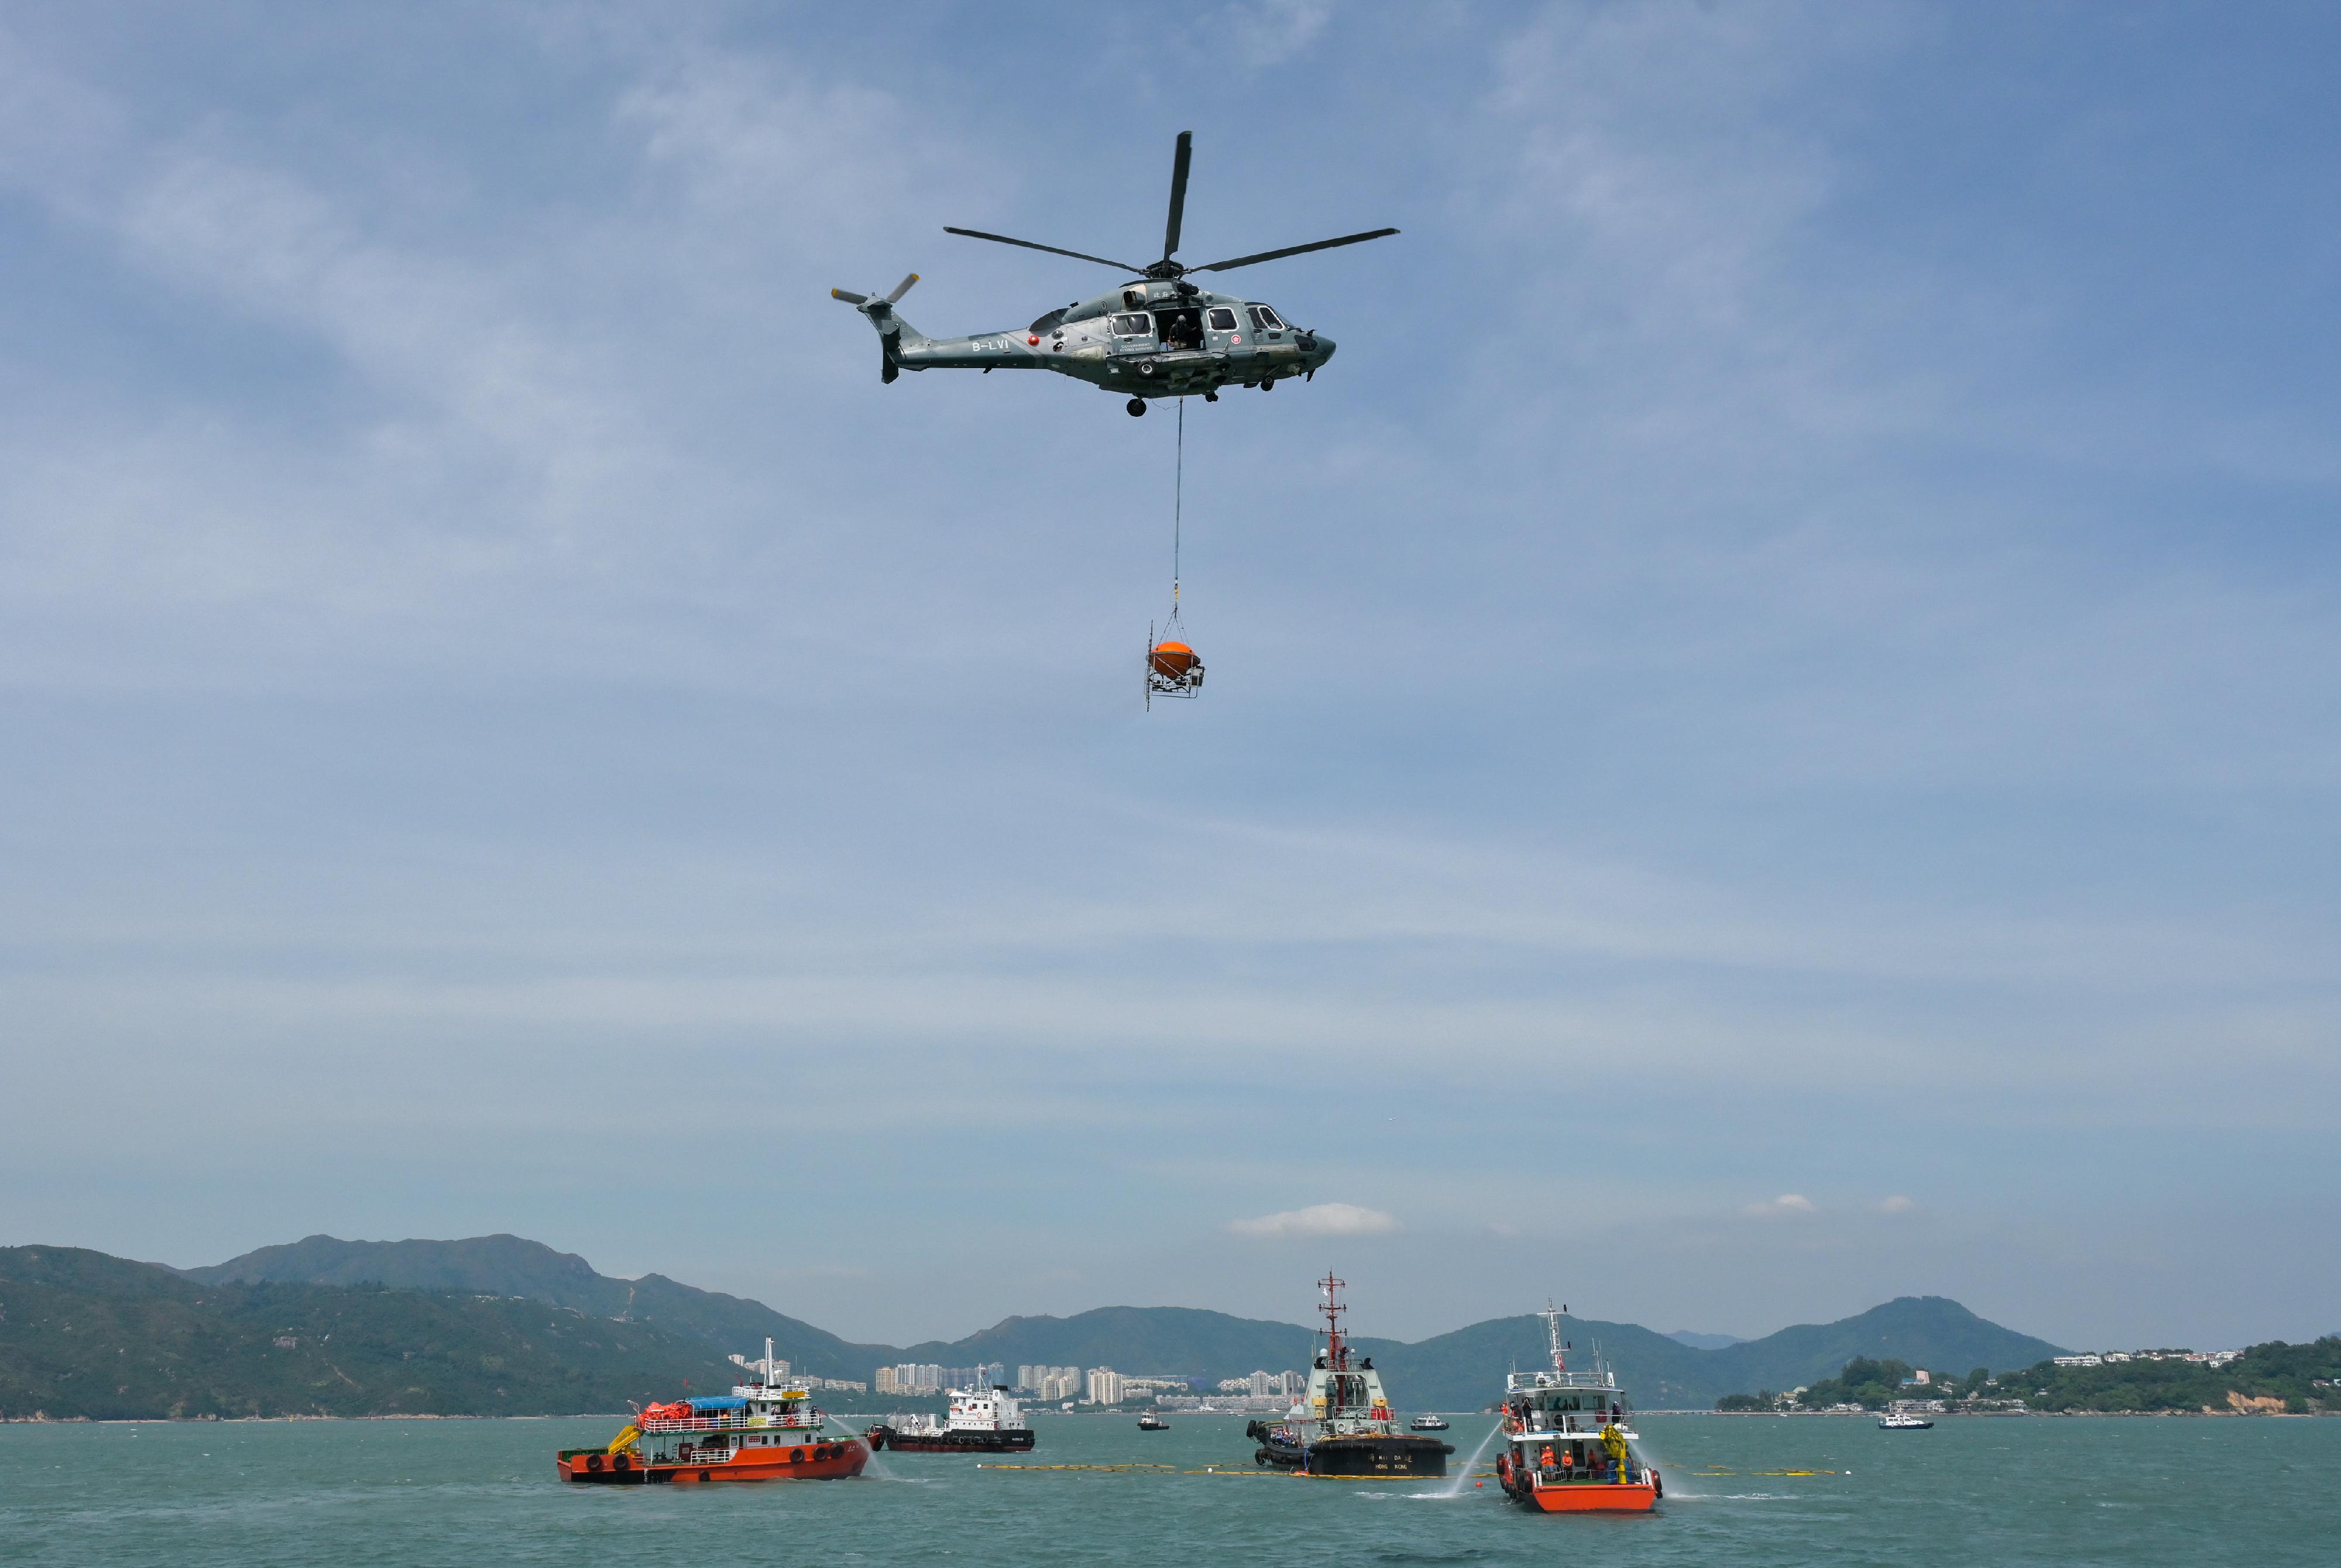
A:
x: 1224, y: 331
x: 1133, y: 333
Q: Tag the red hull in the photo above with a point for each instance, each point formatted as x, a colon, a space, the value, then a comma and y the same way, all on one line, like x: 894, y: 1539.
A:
x: 1579, y: 1496
x: 806, y: 1461
x: 1589, y: 1497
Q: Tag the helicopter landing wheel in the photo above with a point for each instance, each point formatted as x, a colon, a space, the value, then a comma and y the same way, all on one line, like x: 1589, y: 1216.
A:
x: 1137, y: 406
x: 1212, y: 396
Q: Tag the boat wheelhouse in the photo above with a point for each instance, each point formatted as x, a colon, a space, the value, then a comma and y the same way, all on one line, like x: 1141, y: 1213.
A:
x: 1343, y: 1424
x: 762, y: 1431
x: 1568, y: 1448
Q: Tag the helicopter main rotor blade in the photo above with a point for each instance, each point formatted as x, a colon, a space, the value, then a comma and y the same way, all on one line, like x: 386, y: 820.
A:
x: 901, y: 288
x: 1178, y: 193
x: 1292, y: 251
x: 1052, y: 250
x: 849, y: 297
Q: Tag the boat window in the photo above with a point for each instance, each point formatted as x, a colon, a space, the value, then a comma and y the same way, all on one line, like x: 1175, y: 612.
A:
x: 1133, y: 325
x: 1265, y: 319
x: 1222, y: 319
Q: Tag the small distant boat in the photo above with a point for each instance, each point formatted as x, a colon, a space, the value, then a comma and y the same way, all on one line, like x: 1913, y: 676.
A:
x: 1903, y: 1421
x: 1428, y: 1423
x: 1152, y: 1424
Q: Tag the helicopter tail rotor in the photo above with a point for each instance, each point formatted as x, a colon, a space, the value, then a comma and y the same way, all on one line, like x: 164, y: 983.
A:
x: 892, y: 327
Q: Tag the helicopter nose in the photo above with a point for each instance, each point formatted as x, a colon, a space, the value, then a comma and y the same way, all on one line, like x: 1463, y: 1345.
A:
x: 1324, y: 349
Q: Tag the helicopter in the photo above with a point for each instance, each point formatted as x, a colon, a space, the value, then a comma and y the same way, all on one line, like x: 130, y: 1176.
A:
x: 1158, y: 336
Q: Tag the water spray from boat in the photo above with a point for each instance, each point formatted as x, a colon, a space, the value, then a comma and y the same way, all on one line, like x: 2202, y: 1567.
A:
x: 1455, y: 1487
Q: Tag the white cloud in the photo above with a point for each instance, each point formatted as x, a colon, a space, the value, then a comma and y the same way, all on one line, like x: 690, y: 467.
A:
x: 1319, y: 1219
x: 1786, y: 1203
x: 1270, y: 32
x: 1897, y: 1204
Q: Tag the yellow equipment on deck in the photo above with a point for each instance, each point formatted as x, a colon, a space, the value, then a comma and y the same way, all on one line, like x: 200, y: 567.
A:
x: 625, y: 1440
x: 1614, y: 1441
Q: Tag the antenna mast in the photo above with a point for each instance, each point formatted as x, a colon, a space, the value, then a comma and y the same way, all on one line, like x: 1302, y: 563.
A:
x: 1337, y: 1351
x: 1552, y: 1315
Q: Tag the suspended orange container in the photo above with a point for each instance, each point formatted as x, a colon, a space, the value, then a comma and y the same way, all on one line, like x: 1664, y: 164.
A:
x: 1173, y: 668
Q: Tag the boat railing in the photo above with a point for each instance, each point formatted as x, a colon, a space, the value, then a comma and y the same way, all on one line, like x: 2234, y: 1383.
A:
x: 1521, y: 1382
x: 729, y: 1421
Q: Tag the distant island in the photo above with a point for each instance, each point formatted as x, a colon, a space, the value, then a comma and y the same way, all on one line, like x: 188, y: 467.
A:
x: 502, y: 1325
x: 2270, y: 1379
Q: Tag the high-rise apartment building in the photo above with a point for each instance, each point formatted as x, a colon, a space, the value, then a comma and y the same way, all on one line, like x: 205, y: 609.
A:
x: 1104, y: 1385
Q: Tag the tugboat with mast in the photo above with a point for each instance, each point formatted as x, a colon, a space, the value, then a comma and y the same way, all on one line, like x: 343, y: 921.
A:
x: 982, y: 1422
x: 760, y: 1431
x: 1343, y: 1424
x: 1567, y: 1446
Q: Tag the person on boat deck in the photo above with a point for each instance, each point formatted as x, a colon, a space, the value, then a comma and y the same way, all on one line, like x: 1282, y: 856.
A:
x: 1547, y: 1459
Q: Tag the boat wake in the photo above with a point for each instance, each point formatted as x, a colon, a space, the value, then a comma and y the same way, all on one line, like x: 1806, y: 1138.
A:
x: 1415, y: 1496
x: 1674, y: 1496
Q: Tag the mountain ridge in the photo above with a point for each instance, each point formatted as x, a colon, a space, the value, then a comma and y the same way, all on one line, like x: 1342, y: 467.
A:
x: 1462, y: 1369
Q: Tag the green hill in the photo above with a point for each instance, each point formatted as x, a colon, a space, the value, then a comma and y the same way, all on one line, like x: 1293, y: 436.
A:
x: 516, y: 1266
x: 85, y: 1334
x: 1461, y: 1370
x: 503, y: 1324
x: 1922, y: 1331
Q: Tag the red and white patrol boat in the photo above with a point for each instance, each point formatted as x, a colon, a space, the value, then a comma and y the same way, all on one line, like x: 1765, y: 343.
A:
x: 1567, y: 1446
x: 762, y: 1431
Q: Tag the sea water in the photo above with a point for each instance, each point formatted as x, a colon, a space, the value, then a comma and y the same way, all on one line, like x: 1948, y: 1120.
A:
x: 1738, y: 1490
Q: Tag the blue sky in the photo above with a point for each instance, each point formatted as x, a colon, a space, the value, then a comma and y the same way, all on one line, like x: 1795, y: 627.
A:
x: 1788, y: 658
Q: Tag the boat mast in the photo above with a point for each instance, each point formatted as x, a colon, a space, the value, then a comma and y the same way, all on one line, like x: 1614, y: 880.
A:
x: 1337, y: 1351
x: 1552, y: 1315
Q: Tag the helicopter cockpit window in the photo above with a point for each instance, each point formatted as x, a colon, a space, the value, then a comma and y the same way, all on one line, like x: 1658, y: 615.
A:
x: 1265, y: 319
x: 1222, y: 319
x: 1136, y: 325
x: 1049, y: 323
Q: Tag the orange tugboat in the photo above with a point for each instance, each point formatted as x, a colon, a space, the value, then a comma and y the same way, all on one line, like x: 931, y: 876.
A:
x: 762, y: 1431
x: 1567, y: 1448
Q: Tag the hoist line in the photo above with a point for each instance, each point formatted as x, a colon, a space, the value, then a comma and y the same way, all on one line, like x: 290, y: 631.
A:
x: 1178, y: 506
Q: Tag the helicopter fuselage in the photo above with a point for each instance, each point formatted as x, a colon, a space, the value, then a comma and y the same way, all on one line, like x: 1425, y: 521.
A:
x: 1152, y: 337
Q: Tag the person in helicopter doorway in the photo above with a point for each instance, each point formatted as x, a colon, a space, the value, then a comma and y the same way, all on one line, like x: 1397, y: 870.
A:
x: 1182, y: 329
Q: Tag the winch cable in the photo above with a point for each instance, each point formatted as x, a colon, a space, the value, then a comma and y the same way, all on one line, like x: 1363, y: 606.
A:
x: 1178, y: 508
